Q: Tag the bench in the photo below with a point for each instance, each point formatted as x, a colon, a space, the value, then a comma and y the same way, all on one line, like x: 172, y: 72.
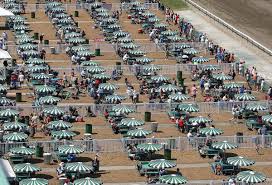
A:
x: 144, y: 169
x: 210, y: 152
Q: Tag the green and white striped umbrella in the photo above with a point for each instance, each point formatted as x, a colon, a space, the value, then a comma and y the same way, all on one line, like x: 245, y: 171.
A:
x: 89, y: 63
x: 151, y: 68
x: 57, y: 9
x: 173, y: 179
x: 136, y: 52
x: 149, y: 147
x: 182, y: 45
x: 141, y: 8
x: 32, y: 53
x: 78, y: 167
x: 70, y: 149
x: 200, y: 119
x: 15, y: 10
x: 135, y: 3
x: 23, y: 35
x: 161, y: 164
x: 124, y: 40
x: 169, y: 33
x: 2, y: 79
x: 14, y: 125
x: 79, y: 48
x: 72, y: 34
x: 120, y: 34
x: 60, y: 124
x: 129, y: 45
x: 114, y: 26
x: 49, y: 100
x: 123, y: 109
x: 88, y: 181
x: 178, y: 97
x: 15, y: 136
x: 232, y: 85
x: 40, y: 76
x: 23, y: 150
x: 256, y: 107
x: 24, y: 40
x: 160, y: 25
x: 114, y: 98
x: 86, y: 53
x: 34, y: 181
x: 96, y: 4
x: 65, y: 21
x: 26, y: 168
x: 190, y: 51
x: 144, y: 60
x: 138, y: 133
x: 44, y: 89
x: 109, y: 20
x: 6, y: 102
x: 169, y: 88
x: 3, y: 88
x: 175, y: 38
x: 28, y: 46
x: 20, y: 27
x: 100, y: 10
x: 69, y: 27
x: 102, y: 76
x: 210, y: 67
x: 35, y: 61
x: 160, y: 78
x: 103, y: 15
x: 55, y: 111
x: 148, y: 14
x: 245, y: 97
x: 200, y: 59
x: 63, y: 134
x: 240, y: 161
x: 76, y: 40
x: 224, y: 145
x: 9, y: 113
x: 108, y: 86
x: 267, y: 118
x: 53, y: 4
x: 153, y: 19
x: 61, y: 15
x: 188, y: 108
x: 131, y: 122
x: 210, y: 131
x: 222, y: 76
x: 37, y: 69
x: 17, y: 17
x: 95, y: 69
x: 251, y: 177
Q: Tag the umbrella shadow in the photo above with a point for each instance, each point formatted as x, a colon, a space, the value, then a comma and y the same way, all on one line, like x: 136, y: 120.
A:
x: 77, y: 132
x: 157, y: 156
x: 36, y: 160
x: 230, y: 154
x: 245, y: 169
x: 44, y: 176
x: 84, y: 159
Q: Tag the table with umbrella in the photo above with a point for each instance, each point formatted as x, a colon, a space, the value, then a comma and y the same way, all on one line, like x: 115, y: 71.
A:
x: 59, y: 125
x: 34, y: 181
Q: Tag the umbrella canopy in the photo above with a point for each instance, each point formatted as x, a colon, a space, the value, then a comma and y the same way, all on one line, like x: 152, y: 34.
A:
x: 129, y: 45
x: 224, y: 145
x: 169, y: 88
x: 60, y: 124
x: 256, y: 107
x: 63, y: 134
x: 85, y: 53
x: 53, y: 4
x: 250, y: 177
x: 144, y: 60
x: 148, y: 14
x: 3, y: 88
x: 23, y: 150
x: 123, y: 109
x: 149, y: 147
x: 114, y: 26
x: 138, y: 133
x: 245, y: 97
x: 210, y: 131
x: 57, y: 9
x: 200, y: 59
x: 173, y: 179
x: 9, y: 113
x: 181, y: 45
x: 232, y: 85
x: 44, y: 89
x: 65, y: 21
x: 108, y: 86
x: 40, y: 76
x: 124, y: 40
x: 178, y: 97
x: 61, y: 15
x: 87, y: 181
x: 114, y: 98
x: 222, y: 76
x: 240, y: 161
x: 96, y: 4
x: 15, y: 136
x: 76, y: 40
x: 79, y: 48
x: 14, y: 125
x: 153, y: 19
x: 190, y: 51
x: 151, y: 68
x: 137, y: 53
x: 210, y: 67
x: 103, y: 14
x: 24, y: 40
x: 26, y: 168
x: 2, y: 79
x: 28, y: 46
x: 101, y: 10
x: 95, y: 69
x: 188, y: 108
x: 20, y: 27
x: 169, y: 33
x: 175, y: 38
x: 49, y: 100
x: 131, y: 122
x: 34, y: 181
x: 70, y: 149
x: 89, y: 63
x: 6, y: 102
x: 37, y: 69
x: 35, y: 61
x: 55, y: 111
x: 102, y: 76
x: 200, y: 119
x: 78, y: 167
x: 162, y: 164
x: 267, y: 118
x: 160, y: 78
x: 72, y: 34
x: 31, y: 53
x: 69, y: 27
x: 120, y: 34
x: 160, y: 25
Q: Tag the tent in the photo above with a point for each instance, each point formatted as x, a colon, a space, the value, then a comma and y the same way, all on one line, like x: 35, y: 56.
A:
x: 4, y: 54
x: 6, y: 172
x: 5, y: 13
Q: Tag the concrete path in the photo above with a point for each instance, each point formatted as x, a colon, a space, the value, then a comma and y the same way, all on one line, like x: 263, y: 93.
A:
x: 230, y: 42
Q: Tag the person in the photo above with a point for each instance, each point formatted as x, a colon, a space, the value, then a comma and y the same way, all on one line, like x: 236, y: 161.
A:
x: 194, y: 91
x: 60, y: 169
x: 269, y: 93
x: 178, y: 172
x: 41, y: 38
x: 218, y: 169
x: 263, y: 130
x: 71, y: 157
x: 21, y: 78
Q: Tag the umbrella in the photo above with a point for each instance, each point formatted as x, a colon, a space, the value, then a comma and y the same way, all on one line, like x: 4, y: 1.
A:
x: 161, y: 164
x: 60, y: 124
x: 169, y: 33
x: 109, y: 20
x: 122, y: 109
x: 240, y: 161
x: 68, y: 27
x: 108, y: 86
x: 251, y: 177
x: 40, y: 76
x: 57, y: 9
x: 245, y: 97
x: 14, y: 125
x: 85, y: 53
x: 22, y: 150
x: 211, y: 67
x: 49, y: 100
x: 72, y: 34
x: 114, y: 98
x: 140, y: 8
x: 151, y: 68
x: 53, y: 4
x: 3, y: 88
x: 200, y: 119
x: 149, y: 147
x: 24, y: 40
x: 160, y: 78
x: 143, y: 60
x: 63, y: 134
x: 114, y: 26
x: 222, y: 76
x: 87, y: 181
x: 129, y: 46
x: 267, y: 118
x: 124, y: 40
x: 31, y: 53
x: 188, y: 108
x: 160, y: 25
x: 77, y: 40
x: 131, y: 122
x: 178, y: 97
x: 35, y: 61
x: 2, y: 79
x: 175, y: 38
x: 190, y: 51
x: 89, y: 63
x: 120, y: 34
x: 61, y: 15
x: 6, y: 102
x: 136, y: 52
x: 182, y: 45
x: 9, y: 113
x: 103, y: 14
x: 26, y: 168
x: 28, y: 46
x: 168, y: 88
x: 65, y: 21
x: 95, y: 69
x: 211, y: 131
x: 138, y: 133
x: 173, y: 179
x: 20, y: 27
x: 200, y: 59
x: 96, y: 4
x: 79, y: 48
x: 78, y: 167
x: 15, y: 136
x: 37, y: 69
x: 102, y: 76
x: 256, y: 107
x: 34, y: 181
x: 148, y: 14
x: 56, y: 111
x: 100, y: 10
x: 232, y: 85
x: 70, y: 149
x: 153, y: 19
x: 224, y: 145
x: 44, y: 89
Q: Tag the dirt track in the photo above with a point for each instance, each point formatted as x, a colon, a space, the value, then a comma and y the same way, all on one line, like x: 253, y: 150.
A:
x: 250, y: 16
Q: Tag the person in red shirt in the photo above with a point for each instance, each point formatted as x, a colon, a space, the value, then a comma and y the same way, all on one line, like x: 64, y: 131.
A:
x: 181, y: 125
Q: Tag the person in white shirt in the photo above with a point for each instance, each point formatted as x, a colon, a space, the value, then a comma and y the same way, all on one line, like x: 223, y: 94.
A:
x: 207, y: 87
